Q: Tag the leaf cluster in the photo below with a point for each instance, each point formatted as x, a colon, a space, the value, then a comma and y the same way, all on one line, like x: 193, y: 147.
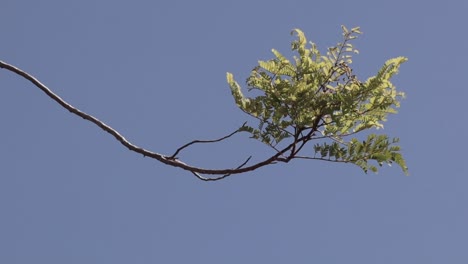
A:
x: 317, y: 96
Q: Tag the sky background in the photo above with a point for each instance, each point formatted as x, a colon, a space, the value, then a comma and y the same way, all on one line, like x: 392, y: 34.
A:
x: 155, y: 71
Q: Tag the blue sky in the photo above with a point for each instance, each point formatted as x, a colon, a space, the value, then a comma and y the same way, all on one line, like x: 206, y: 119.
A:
x: 155, y: 71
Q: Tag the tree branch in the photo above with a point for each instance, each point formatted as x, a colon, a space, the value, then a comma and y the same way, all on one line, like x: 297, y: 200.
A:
x: 168, y: 160
x: 300, y: 97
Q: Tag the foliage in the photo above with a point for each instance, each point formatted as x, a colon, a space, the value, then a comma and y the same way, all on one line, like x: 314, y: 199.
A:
x: 318, y: 97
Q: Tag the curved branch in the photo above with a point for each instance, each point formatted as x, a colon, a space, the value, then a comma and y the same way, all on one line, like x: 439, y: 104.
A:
x: 168, y: 160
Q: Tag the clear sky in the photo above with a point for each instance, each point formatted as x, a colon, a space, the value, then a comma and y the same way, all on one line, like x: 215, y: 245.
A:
x: 155, y: 70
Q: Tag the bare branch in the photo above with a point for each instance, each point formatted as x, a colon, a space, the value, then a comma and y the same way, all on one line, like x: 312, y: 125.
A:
x: 168, y: 160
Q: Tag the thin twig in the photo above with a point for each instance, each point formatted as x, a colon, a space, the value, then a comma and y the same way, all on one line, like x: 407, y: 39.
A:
x: 324, y: 159
x: 206, y: 141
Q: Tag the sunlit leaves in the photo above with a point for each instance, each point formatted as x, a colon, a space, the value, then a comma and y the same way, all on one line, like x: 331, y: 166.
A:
x: 376, y: 148
x: 321, y: 95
